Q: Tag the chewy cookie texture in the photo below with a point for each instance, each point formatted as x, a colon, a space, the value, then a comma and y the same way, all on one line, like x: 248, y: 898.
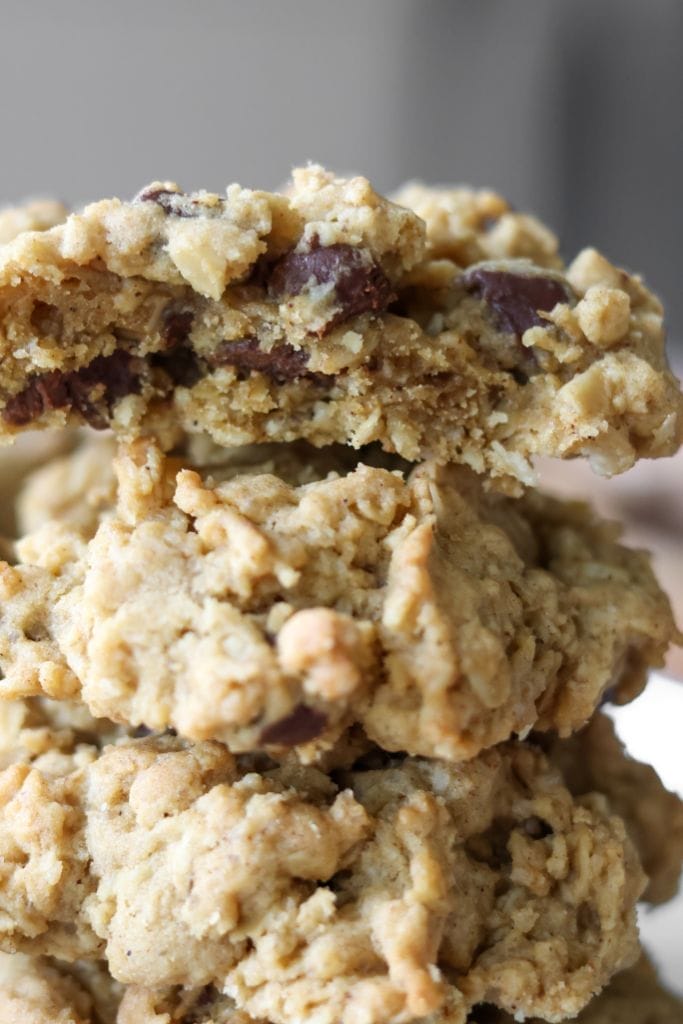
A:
x: 348, y: 764
x: 633, y: 997
x: 485, y: 882
x: 38, y: 991
x: 303, y: 594
x: 332, y: 315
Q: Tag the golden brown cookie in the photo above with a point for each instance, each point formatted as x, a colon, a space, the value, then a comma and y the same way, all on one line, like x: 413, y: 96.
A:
x: 379, y: 894
x: 276, y: 608
x: 634, y: 996
x: 321, y: 314
x: 594, y: 759
x: 469, y: 225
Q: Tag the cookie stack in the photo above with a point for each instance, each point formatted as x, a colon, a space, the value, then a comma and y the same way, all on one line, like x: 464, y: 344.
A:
x: 300, y: 674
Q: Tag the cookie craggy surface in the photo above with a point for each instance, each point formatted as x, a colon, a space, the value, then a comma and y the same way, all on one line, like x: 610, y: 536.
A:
x: 425, y: 884
x: 298, y: 601
x: 595, y: 759
x: 324, y: 314
x: 468, y: 226
x: 634, y: 996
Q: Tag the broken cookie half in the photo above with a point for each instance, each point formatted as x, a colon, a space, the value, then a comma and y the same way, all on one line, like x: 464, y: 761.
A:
x: 329, y: 314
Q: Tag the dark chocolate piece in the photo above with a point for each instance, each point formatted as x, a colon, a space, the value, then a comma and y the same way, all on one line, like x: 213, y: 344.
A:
x: 176, y: 327
x: 515, y: 298
x: 359, y: 283
x: 91, y: 391
x: 300, y: 726
x: 282, y: 364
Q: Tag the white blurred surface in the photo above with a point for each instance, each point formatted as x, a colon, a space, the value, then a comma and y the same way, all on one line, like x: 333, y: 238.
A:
x: 651, y: 729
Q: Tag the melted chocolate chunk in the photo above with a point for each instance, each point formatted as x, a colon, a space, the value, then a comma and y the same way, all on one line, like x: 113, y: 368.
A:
x: 259, y: 275
x: 515, y: 298
x: 484, y: 1013
x: 300, y: 726
x: 176, y: 327
x: 91, y: 391
x: 179, y: 361
x: 282, y: 364
x: 359, y: 283
x: 180, y: 364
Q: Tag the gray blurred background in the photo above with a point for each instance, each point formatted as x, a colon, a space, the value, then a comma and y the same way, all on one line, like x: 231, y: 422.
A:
x: 571, y: 108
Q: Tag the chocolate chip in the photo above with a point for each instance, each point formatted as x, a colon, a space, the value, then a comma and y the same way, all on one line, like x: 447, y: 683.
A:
x: 179, y: 361
x: 176, y: 204
x: 360, y: 285
x: 515, y: 298
x: 182, y: 366
x: 282, y: 364
x: 141, y: 732
x: 176, y: 326
x: 91, y: 391
x: 484, y: 1013
x: 259, y: 275
x: 300, y: 726
x: 536, y: 828
x: 28, y: 405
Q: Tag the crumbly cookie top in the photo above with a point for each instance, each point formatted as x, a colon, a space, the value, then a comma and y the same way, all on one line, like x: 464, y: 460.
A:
x: 468, y: 225
x: 400, y: 885
x: 322, y: 314
x: 209, y: 241
x: 308, y: 594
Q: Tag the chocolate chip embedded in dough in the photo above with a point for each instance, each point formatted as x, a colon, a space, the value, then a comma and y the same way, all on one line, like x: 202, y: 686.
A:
x: 180, y: 364
x: 91, y: 391
x: 176, y: 326
x: 359, y: 283
x: 516, y: 299
x: 281, y: 364
x: 179, y: 361
x: 300, y: 726
x: 176, y: 204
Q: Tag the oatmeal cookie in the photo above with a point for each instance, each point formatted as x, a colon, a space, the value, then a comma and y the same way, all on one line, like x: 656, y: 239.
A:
x: 595, y: 759
x: 321, y: 315
x: 467, y: 225
x: 635, y: 996
x: 378, y: 894
x: 262, y: 611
